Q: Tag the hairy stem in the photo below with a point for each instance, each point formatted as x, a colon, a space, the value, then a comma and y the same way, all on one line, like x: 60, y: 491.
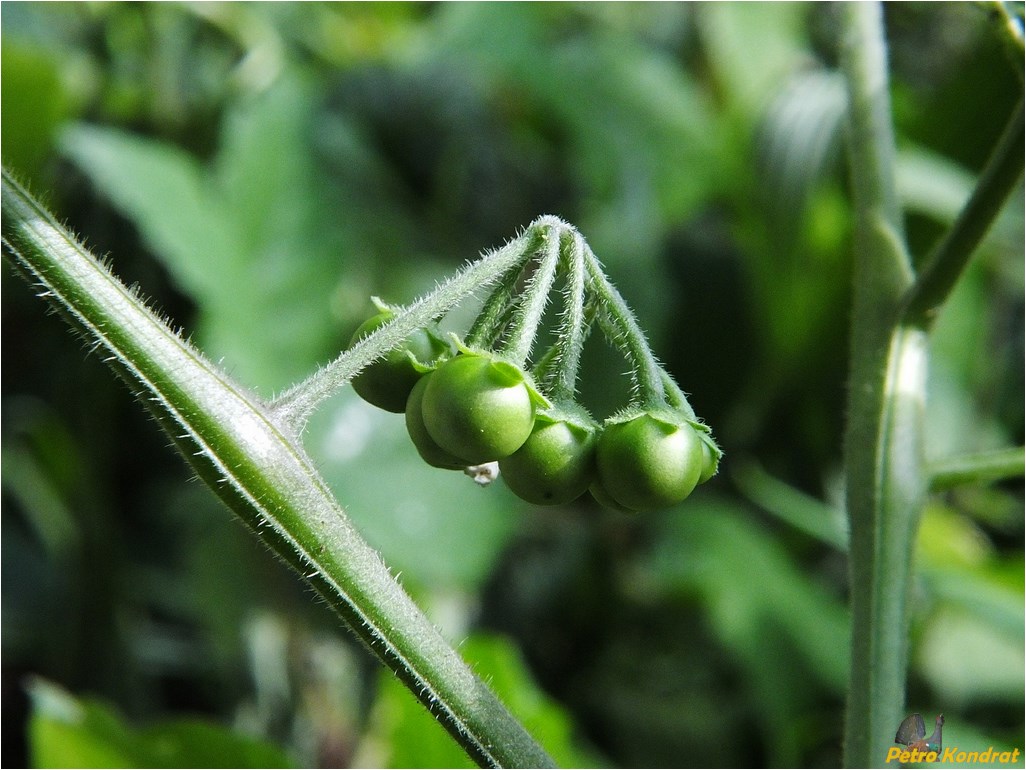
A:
x: 529, y: 312
x: 675, y: 397
x: 626, y: 333
x: 494, y: 313
x: 574, y: 327
x: 253, y: 463
x: 884, y: 435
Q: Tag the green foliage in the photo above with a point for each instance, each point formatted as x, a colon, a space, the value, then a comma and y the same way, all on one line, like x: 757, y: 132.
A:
x: 212, y: 228
x: 308, y: 156
x: 70, y: 732
x: 34, y: 88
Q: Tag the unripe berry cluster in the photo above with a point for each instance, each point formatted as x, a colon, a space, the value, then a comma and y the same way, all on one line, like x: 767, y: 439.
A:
x: 470, y: 403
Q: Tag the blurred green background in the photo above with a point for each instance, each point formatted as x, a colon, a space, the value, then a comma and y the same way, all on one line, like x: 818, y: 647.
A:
x: 260, y: 170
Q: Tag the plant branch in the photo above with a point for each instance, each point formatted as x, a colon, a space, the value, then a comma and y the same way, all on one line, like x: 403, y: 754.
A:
x: 254, y: 464
x: 675, y: 397
x: 494, y: 313
x: 945, y: 265
x: 977, y: 468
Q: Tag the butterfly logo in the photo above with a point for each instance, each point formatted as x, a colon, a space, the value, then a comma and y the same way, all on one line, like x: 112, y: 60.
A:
x: 912, y: 733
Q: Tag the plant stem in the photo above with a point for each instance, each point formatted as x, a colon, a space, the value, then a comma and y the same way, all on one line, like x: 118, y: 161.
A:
x: 675, y: 396
x: 545, y: 368
x: 884, y: 435
x: 945, y: 265
x: 626, y: 333
x: 886, y: 481
x: 253, y: 463
x: 574, y: 327
x: 529, y: 313
x: 978, y: 468
x: 494, y: 312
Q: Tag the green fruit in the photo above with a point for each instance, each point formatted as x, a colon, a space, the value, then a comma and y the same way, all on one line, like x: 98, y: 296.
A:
x: 602, y: 498
x: 555, y: 465
x: 426, y: 447
x: 478, y: 408
x: 387, y: 382
x: 650, y: 461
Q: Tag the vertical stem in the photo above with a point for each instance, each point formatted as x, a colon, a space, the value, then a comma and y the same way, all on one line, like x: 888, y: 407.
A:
x: 883, y: 441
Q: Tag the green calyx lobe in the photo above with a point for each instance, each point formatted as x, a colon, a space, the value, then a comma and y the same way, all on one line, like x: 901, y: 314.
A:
x: 710, y: 457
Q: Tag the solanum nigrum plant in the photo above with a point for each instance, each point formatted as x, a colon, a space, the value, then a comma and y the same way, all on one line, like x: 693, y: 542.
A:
x: 248, y: 449
x: 488, y: 399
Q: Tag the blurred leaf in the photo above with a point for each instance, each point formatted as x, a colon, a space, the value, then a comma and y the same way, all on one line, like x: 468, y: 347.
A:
x: 955, y: 423
x: 983, y: 595
x: 967, y: 662
x: 70, y: 732
x: 798, y: 142
x: 790, y: 505
x: 753, y: 47
x: 53, y: 524
x: 970, y: 613
x: 164, y: 190
x: 780, y: 624
x: 254, y: 223
x: 748, y: 579
x: 35, y: 102
x: 404, y: 734
x: 950, y: 541
x: 643, y: 134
